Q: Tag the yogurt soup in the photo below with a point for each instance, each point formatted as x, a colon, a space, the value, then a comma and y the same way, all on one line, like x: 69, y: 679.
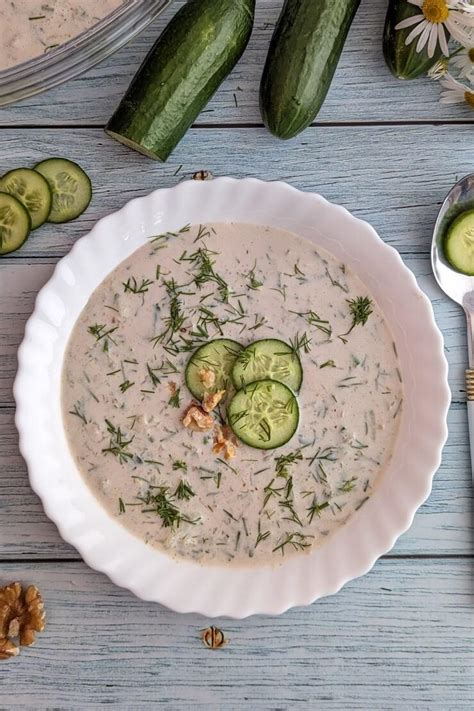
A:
x: 32, y: 27
x: 171, y: 469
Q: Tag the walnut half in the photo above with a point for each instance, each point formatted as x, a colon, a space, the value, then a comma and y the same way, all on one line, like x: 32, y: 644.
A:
x: 21, y: 616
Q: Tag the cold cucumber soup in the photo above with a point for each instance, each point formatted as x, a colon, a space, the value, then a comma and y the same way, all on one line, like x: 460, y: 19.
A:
x: 32, y: 27
x: 231, y: 394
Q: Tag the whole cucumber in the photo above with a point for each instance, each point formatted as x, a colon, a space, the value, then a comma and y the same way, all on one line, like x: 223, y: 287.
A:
x: 303, y: 56
x: 403, y: 60
x: 185, y: 67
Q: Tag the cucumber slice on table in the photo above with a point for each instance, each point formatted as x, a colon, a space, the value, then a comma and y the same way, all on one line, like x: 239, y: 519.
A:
x: 32, y: 190
x: 459, y: 243
x: 218, y: 356
x: 70, y: 185
x: 271, y: 359
x: 264, y: 415
x: 15, y: 223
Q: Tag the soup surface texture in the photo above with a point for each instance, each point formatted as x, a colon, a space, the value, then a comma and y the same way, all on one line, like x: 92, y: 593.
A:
x: 32, y: 27
x: 203, y: 495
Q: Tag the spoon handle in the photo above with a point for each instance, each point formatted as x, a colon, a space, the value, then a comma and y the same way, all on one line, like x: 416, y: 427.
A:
x: 468, y: 308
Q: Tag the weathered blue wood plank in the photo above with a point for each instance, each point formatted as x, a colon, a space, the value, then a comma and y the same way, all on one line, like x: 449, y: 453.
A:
x: 363, y: 88
x: 399, y: 638
x: 395, y: 177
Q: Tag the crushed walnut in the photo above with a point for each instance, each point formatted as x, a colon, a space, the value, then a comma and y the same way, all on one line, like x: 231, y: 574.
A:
x: 21, y: 616
x: 224, y: 442
x: 203, y: 175
x: 207, y: 377
x: 211, y: 400
x: 196, y: 419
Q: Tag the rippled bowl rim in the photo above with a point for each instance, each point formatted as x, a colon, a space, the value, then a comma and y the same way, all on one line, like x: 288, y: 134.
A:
x: 79, y: 54
x: 211, y: 590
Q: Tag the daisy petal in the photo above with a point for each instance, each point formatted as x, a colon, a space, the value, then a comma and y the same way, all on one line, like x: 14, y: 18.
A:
x: 409, y: 21
x: 415, y: 32
x: 423, y: 37
x: 433, y: 40
x: 442, y: 40
x: 418, y: 3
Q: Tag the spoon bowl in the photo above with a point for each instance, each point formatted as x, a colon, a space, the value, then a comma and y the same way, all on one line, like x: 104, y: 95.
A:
x: 459, y: 287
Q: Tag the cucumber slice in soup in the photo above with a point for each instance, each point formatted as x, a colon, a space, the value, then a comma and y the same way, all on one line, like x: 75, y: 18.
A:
x: 209, y: 368
x: 264, y: 414
x: 70, y: 185
x: 32, y: 190
x: 268, y: 359
x: 15, y: 223
x: 459, y: 243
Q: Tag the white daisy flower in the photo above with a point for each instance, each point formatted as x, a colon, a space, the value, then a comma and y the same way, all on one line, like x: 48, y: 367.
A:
x: 439, y: 69
x: 455, y: 93
x: 436, y: 17
x: 464, y: 61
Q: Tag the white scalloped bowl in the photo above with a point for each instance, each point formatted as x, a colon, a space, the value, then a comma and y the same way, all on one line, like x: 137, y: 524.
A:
x: 186, y: 586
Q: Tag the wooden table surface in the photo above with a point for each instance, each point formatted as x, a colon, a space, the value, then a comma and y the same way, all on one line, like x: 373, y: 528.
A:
x: 402, y: 636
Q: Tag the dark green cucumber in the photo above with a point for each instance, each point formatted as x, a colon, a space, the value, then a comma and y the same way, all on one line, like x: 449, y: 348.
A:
x: 303, y: 56
x: 403, y: 60
x: 183, y: 70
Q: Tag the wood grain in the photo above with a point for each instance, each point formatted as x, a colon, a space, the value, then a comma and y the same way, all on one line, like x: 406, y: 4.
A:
x: 398, y: 638
x: 362, y: 90
x: 370, y: 170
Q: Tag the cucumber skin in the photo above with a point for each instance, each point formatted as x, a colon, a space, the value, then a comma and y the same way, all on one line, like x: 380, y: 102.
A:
x: 404, y: 61
x: 303, y: 56
x: 183, y: 70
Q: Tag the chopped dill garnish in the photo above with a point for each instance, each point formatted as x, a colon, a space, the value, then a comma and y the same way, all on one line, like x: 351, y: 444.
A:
x: 77, y: 412
x: 261, y: 535
x: 253, y: 283
x: 121, y: 506
x: 285, y: 460
x: 348, y: 485
x: 134, y: 287
x: 99, y: 330
x: 174, y: 322
x: 360, y: 309
x: 328, y: 364
x: 289, y: 505
x: 334, y: 282
x: 297, y: 540
x: 179, y: 464
x: 315, y: 509
x: 161, y: 502
x: 125, y: 386
x: 312, y: 319
x: 160, y: 371
x: 184, y: 491
x: 270, y: 491
x: 281, y: 290
x: 175, y: 400
x: 118, y: 444
x: 258, y: 323
x: 300, y: 343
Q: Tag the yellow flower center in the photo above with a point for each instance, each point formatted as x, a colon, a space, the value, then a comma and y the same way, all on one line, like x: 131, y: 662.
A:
x: 435, y: 11
x: 470, y: 54
x: 469, y: 97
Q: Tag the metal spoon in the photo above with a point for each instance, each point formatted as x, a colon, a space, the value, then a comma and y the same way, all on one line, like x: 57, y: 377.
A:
x: 459, y: 287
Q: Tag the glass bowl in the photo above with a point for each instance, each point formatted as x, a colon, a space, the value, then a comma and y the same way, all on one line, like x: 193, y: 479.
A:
x: 80, y: 53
